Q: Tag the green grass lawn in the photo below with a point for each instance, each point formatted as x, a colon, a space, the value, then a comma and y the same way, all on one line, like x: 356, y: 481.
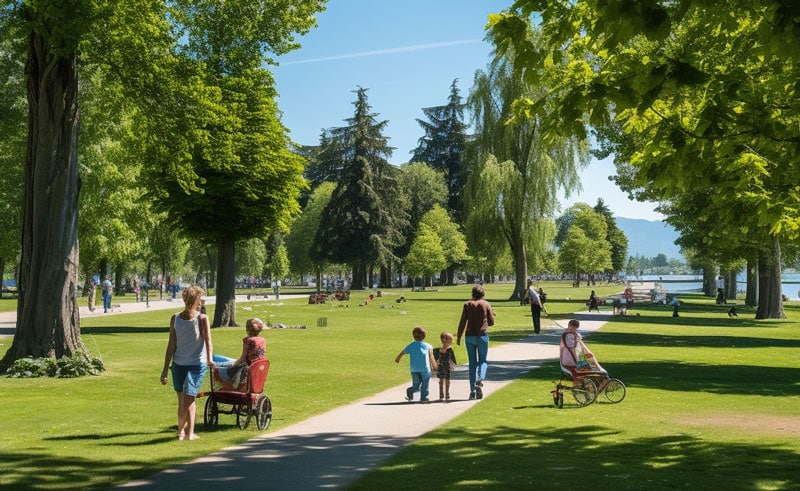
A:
x: 711, y: 399
x: 712, y: 404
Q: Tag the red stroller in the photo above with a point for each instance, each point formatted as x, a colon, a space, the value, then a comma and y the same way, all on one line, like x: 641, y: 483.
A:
x: 245, y: 401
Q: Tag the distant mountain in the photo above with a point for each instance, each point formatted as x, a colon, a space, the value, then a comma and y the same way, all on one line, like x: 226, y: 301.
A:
x: 649, y: 238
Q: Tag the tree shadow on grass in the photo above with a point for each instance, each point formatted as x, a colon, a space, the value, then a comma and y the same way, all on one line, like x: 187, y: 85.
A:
x: 123, y: 330
x: 691, y: 340
x: 119, y: 439
x: 579, y: 456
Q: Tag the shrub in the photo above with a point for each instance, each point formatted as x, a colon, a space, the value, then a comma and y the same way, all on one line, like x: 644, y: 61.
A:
x: 78, y: 365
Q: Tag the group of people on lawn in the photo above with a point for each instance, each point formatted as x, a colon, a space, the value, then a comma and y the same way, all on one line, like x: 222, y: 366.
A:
x: 190, y: 351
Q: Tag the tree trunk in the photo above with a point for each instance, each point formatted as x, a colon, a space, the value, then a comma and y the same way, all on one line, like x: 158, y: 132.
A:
x: 521, y: 270
x: 225, y: 309
x: 730, y: 286
x: 751, y: 297
x: 450, y: 278
x: 770, y: 300
x: 212, y: 281
x: 359, y: 276
x: 48, y: 322
x: 386, y: 277
x: 709, y: 281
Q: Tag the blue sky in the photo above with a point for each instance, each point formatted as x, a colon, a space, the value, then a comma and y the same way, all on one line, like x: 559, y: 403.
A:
x: 407, y: 53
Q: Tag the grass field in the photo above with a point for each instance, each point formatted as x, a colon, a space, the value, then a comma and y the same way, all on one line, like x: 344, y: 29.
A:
x: 712, y: 400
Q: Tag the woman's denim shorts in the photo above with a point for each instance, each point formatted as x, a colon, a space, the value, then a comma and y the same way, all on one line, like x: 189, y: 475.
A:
x: 188, y: 379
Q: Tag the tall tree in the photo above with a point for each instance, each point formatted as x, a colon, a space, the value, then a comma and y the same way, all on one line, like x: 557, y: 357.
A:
x: 47, y: 311
x: 421, y: 188
x: 426, y: 256
x: 362, y: 224
x: 615, y: 236
x: 442, y: 147
x: 243, y: 161
x: 113, y: 220
x: 299, y: 240
x: 238, y: 152
x: 519, y: 171
x: 585, y: 249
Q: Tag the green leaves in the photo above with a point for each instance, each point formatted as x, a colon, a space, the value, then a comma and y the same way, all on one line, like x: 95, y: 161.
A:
x: 77, y: 365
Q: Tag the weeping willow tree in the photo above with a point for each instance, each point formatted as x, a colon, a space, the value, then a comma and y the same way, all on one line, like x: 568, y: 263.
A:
x: 512, y: 191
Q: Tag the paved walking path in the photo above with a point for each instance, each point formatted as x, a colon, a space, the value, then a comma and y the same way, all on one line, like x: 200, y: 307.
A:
x: 334, y: 449
x: 8, y: 320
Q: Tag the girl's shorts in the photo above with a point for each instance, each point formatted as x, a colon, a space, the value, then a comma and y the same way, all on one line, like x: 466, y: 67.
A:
x: 188, y: 379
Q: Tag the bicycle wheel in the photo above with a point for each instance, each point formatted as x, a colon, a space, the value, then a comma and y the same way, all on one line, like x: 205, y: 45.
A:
x: 615, y: 390
x: 584, y: 391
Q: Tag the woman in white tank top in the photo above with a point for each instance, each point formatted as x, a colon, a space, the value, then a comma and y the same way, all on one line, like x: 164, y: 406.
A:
x: 190, y: 351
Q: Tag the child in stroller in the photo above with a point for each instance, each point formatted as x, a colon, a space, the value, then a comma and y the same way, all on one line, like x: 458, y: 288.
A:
x: 231, y: 372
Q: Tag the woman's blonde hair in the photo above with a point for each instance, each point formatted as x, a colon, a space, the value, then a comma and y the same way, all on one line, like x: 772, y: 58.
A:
x: 254, y: 326
x: 191, y: 294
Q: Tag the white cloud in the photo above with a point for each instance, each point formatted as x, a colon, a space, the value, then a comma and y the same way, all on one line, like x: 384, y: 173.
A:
x: 387, y: 51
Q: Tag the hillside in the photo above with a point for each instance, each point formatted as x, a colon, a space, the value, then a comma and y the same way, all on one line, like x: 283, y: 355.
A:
x: 649, y: 238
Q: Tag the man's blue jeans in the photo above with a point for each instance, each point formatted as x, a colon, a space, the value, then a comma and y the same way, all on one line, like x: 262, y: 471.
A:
x: 106, y: 301
x: 420, y: 381
x: 477, y: 350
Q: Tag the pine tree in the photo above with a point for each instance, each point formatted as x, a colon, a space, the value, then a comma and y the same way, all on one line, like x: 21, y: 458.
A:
x: 442, y: 147
x: 362, y: 223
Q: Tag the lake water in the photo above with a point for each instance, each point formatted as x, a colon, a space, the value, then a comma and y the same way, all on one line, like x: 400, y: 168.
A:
x: 680, y: 283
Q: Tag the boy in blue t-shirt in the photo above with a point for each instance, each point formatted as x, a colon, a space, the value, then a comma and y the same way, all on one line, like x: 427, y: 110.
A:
x: 421, y: 361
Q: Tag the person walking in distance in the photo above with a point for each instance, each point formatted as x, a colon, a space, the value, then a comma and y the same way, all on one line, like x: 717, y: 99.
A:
x: 536, y: 307
x: 107, y: 289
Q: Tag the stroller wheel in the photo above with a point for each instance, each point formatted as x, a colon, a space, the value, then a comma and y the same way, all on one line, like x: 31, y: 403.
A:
x: 244, y: 414
x: 211, y: 414
x: 264, y: 413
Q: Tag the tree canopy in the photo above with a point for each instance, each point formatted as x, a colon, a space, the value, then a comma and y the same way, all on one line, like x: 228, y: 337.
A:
x: 704, y: 93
